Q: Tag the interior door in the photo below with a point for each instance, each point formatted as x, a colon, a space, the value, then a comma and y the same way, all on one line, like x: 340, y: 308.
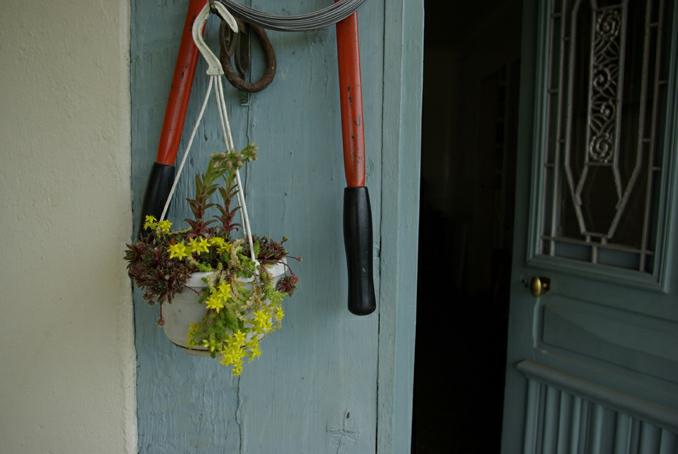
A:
x: 592, y: 362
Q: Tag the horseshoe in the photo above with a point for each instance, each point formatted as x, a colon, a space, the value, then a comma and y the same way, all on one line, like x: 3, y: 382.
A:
x: 229, y: 41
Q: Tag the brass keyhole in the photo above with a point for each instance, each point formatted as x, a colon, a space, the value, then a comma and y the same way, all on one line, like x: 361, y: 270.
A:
x: 539, y: 285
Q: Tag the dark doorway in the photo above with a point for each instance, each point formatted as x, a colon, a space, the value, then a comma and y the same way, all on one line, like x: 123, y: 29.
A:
x: 471, y: 80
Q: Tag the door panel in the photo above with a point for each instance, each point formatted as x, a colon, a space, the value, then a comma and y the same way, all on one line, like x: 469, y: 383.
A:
x: 634, y: 341
x: 561, y: 420
x: 596, y: 357
x: 600, y: 149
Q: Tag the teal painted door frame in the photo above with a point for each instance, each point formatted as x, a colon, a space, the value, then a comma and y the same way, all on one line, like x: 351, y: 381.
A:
x: 592, y: 364
x: 403, y: 64
x: 329, y: 381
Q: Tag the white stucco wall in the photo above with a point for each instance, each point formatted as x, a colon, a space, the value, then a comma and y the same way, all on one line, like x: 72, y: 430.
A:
x: 66, y: 336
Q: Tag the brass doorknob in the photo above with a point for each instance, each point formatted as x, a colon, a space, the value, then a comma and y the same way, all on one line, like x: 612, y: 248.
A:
x: 539, y: 285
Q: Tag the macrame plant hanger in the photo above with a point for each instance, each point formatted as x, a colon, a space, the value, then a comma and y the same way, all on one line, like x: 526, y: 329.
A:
x: 215, y: 73
x: 357, y: 211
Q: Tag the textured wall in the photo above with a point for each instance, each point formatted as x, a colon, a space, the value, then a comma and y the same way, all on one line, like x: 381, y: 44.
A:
x: 314, y: 390
x: 66, y: 348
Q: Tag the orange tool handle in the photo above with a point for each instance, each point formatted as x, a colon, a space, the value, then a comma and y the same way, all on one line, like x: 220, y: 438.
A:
x: 162, y: 173
x: 182, y: 82
x: 357, y: 210
x: 351, y: 98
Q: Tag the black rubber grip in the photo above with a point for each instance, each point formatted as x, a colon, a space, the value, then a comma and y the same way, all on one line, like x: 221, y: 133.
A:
x: 157, y: 190
x: 358, y: 242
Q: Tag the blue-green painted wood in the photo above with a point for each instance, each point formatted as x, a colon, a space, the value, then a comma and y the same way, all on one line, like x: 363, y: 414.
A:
x: 610, y: 335
x: 320, y: 385
x: 400, y: 212
x: 585, y: 425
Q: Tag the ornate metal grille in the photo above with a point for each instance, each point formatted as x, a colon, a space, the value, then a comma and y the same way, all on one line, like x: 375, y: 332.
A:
x: 605, y: 92
x: 606, y: 86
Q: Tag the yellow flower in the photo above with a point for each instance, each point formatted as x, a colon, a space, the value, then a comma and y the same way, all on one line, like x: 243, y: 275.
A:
x: 237, y: 339
x: 150, y: 222
x: 178, y: 251
x: 279, y: 313
x: 232, y: 356
x: 198, y: 245
x: 217, y: 241
x: 214, y: 302
x: 163, y: 226
x: 262, y: 321
x: 224, y: 291
x: 223, y: 247
x: 255, y: 350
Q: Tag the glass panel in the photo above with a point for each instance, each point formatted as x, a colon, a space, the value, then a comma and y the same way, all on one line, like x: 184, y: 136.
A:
x: 607, y: 71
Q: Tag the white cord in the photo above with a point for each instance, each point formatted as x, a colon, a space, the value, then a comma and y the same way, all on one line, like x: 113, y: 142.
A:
x: 216, y: 82
x: 188, y: 149
x: 228, y: 139
x: 216, y: 74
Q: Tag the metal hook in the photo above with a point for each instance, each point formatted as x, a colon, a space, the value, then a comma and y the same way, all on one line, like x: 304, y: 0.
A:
x: 214, y: 65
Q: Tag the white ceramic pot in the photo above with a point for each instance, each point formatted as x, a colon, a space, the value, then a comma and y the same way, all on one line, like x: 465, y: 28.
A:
x: 186, y: 308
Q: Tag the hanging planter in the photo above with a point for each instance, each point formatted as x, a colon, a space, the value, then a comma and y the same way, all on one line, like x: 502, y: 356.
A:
x: 221, y: 295
x: 188, y: 310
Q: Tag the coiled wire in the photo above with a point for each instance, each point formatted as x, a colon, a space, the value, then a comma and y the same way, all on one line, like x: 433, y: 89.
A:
x: 322, y: 18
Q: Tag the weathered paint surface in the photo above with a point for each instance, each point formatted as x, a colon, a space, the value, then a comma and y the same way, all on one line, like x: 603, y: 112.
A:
x: 315, y: 388
x: 403, y: 62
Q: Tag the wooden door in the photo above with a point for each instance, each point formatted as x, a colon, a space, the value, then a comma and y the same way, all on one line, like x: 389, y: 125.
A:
x: 329, y: 381
x: 592, y: 364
